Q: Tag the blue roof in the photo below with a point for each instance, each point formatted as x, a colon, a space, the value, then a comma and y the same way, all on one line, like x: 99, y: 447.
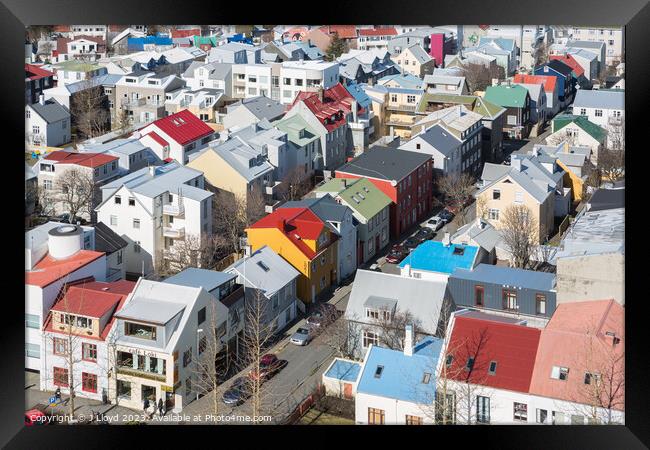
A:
x: 207, y: 279
x: 344, y: 370
x: 138, y: 43
x: 508, y: 276
x: 239, y: 37
x: 434, y: 256
x: 405, y: 80
x: 402, y: 376
x: 359, y: 94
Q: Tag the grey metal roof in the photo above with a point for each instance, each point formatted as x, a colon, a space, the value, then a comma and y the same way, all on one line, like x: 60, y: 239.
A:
x: 599, y: 99
x: 440, y: 139
x: 424, y: 299
x: 485, y: 235
x: 604, y: 199
x: 237, y: 153
x: 595, y: 232
x: 51, y: 111
x: 378, y: 302
x: 280, y: 272
x: 385, y: 163
x: 326, y: 208
x: 127, y: 146
x: 418, y: 52
x: 194, y: 277
x: 150, y: 310
x: 585, y: 44
x: 261, y: 107
x: 106, y: 240
x: 508, y: 276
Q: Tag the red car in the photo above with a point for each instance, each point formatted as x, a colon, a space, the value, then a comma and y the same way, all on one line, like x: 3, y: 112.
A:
x: 269, y: 366
x: 36, y: 416
x: 396, y: 254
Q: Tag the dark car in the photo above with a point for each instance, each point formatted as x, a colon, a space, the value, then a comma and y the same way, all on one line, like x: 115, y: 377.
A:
x: 446, y: 215
x: 424, y: 234
x: 325, y: 314
x: 396, y: 254
x: 269, y: 366
x: 238, y: 392
x: 411, y: 243
x: 65, y: 218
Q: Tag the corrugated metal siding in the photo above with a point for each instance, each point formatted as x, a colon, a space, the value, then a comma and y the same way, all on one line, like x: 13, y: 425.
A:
x: 462, y: 292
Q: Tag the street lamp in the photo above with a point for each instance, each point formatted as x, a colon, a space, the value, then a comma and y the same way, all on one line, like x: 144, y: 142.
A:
x: 198, y: 331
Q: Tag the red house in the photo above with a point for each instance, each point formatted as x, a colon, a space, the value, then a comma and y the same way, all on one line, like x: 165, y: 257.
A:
x: 403, y: 176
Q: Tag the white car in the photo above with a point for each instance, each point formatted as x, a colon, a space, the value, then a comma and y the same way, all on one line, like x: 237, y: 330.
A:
x: 302, y: 336
x: 435, y: 223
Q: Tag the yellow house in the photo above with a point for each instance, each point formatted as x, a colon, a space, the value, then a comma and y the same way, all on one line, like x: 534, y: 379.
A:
x: 415, y: 60
x: 395, y: 108
x: 301, y: 238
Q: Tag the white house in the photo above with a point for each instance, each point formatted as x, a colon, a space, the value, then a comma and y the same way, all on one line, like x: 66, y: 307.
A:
x: 436, y: 261
x: 158, y: 211
x: 47, y: 123
x: 296, y: 76
x: 603, y: 107
x: 209, y: 75
x: 252, y: 110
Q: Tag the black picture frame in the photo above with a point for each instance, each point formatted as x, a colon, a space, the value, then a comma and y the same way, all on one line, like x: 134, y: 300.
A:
x: 634, y: 15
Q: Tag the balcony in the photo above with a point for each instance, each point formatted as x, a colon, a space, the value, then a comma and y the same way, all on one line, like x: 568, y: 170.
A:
x: 174, y: 233
x: 400, y: 122
x: 113, y: 274
x: 614, y: 120
x: 406, y: 108
x: 272, y: 206
x: 272, y: 187
x: 175, y: 210
x: 124, y: 370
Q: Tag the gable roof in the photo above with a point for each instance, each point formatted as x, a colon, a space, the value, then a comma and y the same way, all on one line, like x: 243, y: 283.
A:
x: 418, y: 52
x: 440, y: 138
x: 360, y: 195
x: 183, y: 127
x: 87, y: 302
x: 344, y: 31
x: 389, y: 31
x: 48, y: 270
x: 91, y: 160
x: 549, y: 82
x: 34, y: 72
x: 107, y: 240
x: 571, y: 62
x: 559, y: 66
x: 261, y: 107
x: 606, y: 99
x: 404, y: 80
x: 513, y: 96
x: 195, y: 277
x: 326, y: 208
x: 402, y: 376
x: 487, y: 237
x: 51, y: 111
x: 384, y: 163
x: 512, y: 347
x: 589, y: 127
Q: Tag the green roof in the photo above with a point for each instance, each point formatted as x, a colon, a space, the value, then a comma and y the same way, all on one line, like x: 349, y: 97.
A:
x: 205, y: 40
x: 76, y: 66
x: 360, y: 195
x: 486, y: 108
x: 590, y: 128
x: 293, y: 126
x: 513, y: 96
x: 472, y: 102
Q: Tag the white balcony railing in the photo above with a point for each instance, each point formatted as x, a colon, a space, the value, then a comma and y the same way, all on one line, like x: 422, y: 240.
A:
x: 171, y: 209
x: 174, y: 233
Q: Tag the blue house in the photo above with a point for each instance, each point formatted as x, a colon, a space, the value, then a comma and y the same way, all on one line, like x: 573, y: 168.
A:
x: 565, y: 78
x: 436, y: 260
x: 497, y: 288
x: 398, y: 386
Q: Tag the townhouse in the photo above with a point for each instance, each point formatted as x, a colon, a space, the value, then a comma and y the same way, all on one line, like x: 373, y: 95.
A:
x: 612, y: 38
x: 142, y: 94
x: 504, y: 50
x: 405, y: 177
x: 377, y: 298
x: 72, y: 71
x: 516, y: 100
x: 88, y: 48
x: 340, y: 220
x: 578, y: 72
x: 304, y: 76
x: 605, y: 108
x: 481, y: 234
x: 37, y: 80
x: 206, y: 104
x: 209, y: 75
x: 235, y: 53
x: 159, y: 211
x: 131, y: 154
x: 52, y: 262
x: 452, y: 137
x: 177, y: 136
x: 528, y: 39
x: 365, y: 66
x: 303, y: 145
x: 550, y: 90
x: 248, y: 111
x: 370, y: 207
x: 446, y: 81
x: 394, y: 107
x: 576, y: 162
x: 565, y: 80
x: 47, y: 123
x: 268, y: 278
x: 538, y: 106
x: 371, y: 38
x: 76, y: 353
x: 306, y: 242
x: 534, y: 182
x: 578, y: 131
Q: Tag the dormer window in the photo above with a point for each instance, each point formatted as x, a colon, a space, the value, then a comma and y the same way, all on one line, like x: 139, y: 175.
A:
x: 140, y: 331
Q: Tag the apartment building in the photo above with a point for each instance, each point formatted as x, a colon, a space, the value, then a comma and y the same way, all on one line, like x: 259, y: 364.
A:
x: 206, y: 104
x: 143, y: 94
x: 375, y: 38
x: 158, y: 211
x: 612, y: 37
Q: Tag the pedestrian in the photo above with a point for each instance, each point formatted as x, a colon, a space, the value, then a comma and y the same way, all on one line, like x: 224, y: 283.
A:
x: 57, y: 394
x: 160, y: 407
x: 146, y: 406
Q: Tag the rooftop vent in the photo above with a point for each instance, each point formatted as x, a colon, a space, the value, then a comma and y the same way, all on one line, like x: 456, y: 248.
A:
x: 264, y: 267
x: 460, y: 251
x: 378, y: 371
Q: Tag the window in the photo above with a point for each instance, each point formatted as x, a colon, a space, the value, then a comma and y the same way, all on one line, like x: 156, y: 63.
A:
x: 519, y: 197
x: 201, y: 315
x: 187, y: 357
x: 450, y: 359
x: 598, y: 113
x: 140, y: 331
x: 203, y: 343
x: 479, y: 294
x: 378, y: 371
x: 492, y: 369
x: 131, y: 201
x: 410, y: 99
x: 298, y: 82
x: 558, y: 418
x: 32, y: 321
x: 275, y: 301
x: 119, y: 257
x: 413, y: 420
x: 188, y: 386
x: 510, y: 300
x: 426, y: 378
x: 60, y: 346
x: 114, y: 220
x: 583, y: 111
x: 370, y: 338
x: 47, y: 184
x: 560, y: 373
x: 89, y: 352
x: 136, y: 247
x: 520, y: 412
x: 540, y: 304
x: 470, y: 364
x: 482, y: 409
x: 393, y: 98
x: 589, y: 377
x: 27, y: 114
x: 118, y: 201
x: 496, y: 194
x: 136, y: 223
x: 60, y: 377
x: 88, y: 382
x: 512, y: 120
x: 286, y: 81
x: 32, y: 350
x: 541, y: 416
x: 493, y: 214
x: 376, y: 416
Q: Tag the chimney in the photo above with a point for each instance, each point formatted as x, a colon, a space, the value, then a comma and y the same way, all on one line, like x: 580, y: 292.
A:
x: 446, y: 241
x: 516, y: 163
x: 495, y: 81
x: 408, y: 340
x: 152, y: 170
x: 345, y: 182
x: 41, y: 99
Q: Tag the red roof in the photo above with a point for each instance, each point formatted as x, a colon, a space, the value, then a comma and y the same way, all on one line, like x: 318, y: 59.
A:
x: 62, y: 43
x: 571, y: 62
x: 378, y: 32
x: 48, y: 270
x: 512, y: 347
x: 186, y: 33
x: 61, y: 28
x: 36, y: 73
x: 156, y: 137
x: 344, y: 31
x: 547, y: 80
x: 183, y: 127
x: 337, y: 102
x: 484, y: 27
x: 92, y: 160
x: 296, y: 224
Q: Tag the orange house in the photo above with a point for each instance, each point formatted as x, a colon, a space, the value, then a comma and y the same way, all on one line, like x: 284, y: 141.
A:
x: 305, y: 241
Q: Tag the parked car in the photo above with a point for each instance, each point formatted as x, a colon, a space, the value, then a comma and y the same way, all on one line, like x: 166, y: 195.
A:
x: 396, y: 254
x: 324, y: 314
x: 302, y: 336
x: 446, y: 215
x: 435, y: 223
x: 269, y: 366
x: 38, y: 416
x: 66, y: 219
x: 423, y: 234
x: 375, y: 268
x: 238, y: 392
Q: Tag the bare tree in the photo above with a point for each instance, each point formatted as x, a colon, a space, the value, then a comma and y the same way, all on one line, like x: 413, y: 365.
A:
x: 89, y: 109
x: 479, y: 77
x: 255, y: 205
x: 482, y: 209
x: 192, y: 251
x: 75, y: 191
x: 36, y: 32
x: 123, y: 123
x: 562, y: 137
x: 341, y: 335
x: 456, y: 189
x: 392, y: 328
x: 519, y: 231
x: 611, y: 164
x: 540, y: 54
x: 296, y: 184
x: 229, y: 219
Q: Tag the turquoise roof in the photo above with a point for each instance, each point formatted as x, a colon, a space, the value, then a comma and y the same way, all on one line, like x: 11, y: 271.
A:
x: 344, y: 370
x: 434, y: 256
